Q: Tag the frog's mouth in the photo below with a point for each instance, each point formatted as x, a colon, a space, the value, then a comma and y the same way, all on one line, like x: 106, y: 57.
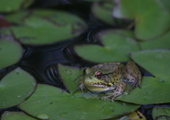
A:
x: 100, y: 88
x: 100, y: 85
x: 96, y: 85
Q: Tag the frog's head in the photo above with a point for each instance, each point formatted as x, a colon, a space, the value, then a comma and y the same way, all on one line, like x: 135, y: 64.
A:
x: 95, y: 81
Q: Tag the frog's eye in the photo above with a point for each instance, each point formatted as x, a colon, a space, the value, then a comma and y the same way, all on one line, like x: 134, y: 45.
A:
x: 98, y: 74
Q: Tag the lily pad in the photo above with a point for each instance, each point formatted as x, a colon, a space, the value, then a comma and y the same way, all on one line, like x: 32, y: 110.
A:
x: 154, y: 90
x: 69, y: 74
x: 154, y: 61
x: 147, y: 18
x: 45, y: 27
x: 8, y: 5
x: 166, y: 3
x: 7, y: 115
x: 10, y: 52
x: 116, y: 46
x: 161, y: 113
x: 103, y: 11
x: 162, y: 42
x: 61, y: 105
x: 15, y: 87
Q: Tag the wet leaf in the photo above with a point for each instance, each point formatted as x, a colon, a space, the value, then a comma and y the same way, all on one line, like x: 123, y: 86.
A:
x: 166, y: 3
x: 45, y: 27
x: 150, y: 22
x: 8, y: 5
x: 69, y: 74
x: 154, y: 61
x: 161, y: 113
x: 61, y: 105
x: 15, y: 87
x: 103, y: 11
x: 10, y: 52
x: 7, y: 115
x: 116, y: 46
x: 154, y: 90
x: 162, y: 42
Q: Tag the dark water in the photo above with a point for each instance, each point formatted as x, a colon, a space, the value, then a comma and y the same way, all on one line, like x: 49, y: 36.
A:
x: 42, y: 61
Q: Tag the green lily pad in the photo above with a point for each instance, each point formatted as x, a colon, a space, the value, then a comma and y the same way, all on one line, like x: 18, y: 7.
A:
x: 166, y: 3
x: 103, y: 11
x: 154, y: 90
x: 116, y: 46
x: 154, y: 61
x: 17, y: 17
x: 45, y: 27
x: 150, y: 22
x: 7, y: 115
x: 69, y: 74
x: 61, y: 105
x: 8, y: 5
x: 161, y: 113
x: 162, y: 42
x: 163, y: 118
x: 10, y: 52
x: 15, y: 87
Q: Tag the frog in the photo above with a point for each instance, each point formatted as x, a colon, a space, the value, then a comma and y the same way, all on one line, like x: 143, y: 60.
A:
x: 112, y: 77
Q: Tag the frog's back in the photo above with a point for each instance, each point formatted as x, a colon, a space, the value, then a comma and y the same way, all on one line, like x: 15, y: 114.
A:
x: 105, y: 67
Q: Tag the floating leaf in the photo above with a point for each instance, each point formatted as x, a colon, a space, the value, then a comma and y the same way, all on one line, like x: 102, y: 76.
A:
x: 15, y: 87
x: 17, y: 17
x: 154, y: 89
x: 154, y: 61
x: 166, y: 3
x: 8, y: 5
x: 161, y: 113
x: 45, y: 27
x: 61, y: 105
x: 7, y: 115
x: 150, y: 21
x: 162, y: 42
x: 103, y: 11
x: 116, y: 46
x: 69, y: 74
x: 10, y: 52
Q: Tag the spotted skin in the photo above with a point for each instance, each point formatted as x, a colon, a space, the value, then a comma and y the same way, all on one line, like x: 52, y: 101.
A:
x: 132, y: 74
x: 105, y: 68
x: 121, y: 86
x: 114, y: 77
